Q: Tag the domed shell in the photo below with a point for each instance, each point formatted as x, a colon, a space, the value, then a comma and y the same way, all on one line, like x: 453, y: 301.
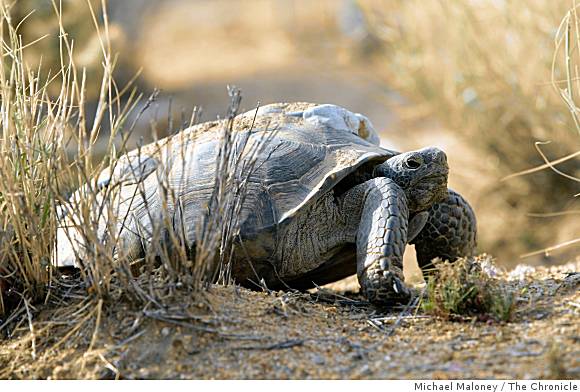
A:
x: 301, y: 150
x: 289, y: 154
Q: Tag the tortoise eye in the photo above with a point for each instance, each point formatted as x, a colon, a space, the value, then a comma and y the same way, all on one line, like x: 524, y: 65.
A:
x: 413, y: 162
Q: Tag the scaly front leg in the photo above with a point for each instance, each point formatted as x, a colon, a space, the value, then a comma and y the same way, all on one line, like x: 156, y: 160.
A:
x: 380, y: 242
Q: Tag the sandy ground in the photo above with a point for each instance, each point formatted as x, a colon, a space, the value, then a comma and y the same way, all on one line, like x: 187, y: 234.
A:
x: 329, y: 334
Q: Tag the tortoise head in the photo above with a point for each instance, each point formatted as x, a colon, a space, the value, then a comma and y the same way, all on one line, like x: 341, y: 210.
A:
x: 422, y: 174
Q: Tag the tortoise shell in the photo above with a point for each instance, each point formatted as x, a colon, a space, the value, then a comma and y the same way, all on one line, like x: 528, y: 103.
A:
x: 289, y: 154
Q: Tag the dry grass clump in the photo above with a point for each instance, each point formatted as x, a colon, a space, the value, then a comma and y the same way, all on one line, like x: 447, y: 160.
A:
x: 38, y: 125
x: 37, y: 176
x: 30, y: 163
x: 483, y: 70
x: 464, y: 288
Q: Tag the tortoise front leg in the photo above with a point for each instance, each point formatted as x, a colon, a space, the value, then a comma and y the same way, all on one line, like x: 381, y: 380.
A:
x: 380, y: 242
x: 450, y: 232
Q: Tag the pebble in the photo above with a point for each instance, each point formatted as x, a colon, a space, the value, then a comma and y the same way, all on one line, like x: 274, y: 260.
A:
x: 521, y: 272
x: 318, y: 360
x: 365, y: 370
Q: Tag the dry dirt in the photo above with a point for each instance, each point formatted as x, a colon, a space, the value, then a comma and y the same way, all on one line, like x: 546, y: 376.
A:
x: 329, y: 334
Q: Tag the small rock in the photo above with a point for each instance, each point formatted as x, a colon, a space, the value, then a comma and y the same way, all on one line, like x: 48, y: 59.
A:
x: 318, y: 360
x: 521, y: 272
x: 365, y: 370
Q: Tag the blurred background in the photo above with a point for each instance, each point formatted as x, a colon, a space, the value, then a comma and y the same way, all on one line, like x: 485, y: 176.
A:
x: 472, y: 77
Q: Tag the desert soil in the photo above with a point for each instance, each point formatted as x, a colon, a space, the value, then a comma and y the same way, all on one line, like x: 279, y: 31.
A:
x: 328, y: 333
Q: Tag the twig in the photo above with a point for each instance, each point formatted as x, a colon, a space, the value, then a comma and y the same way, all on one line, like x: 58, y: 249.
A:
x: 234, y: 336
x: 33, y: 335
x: 12, y: 317
x: 551, y: 248
x: 129, y: 339
x: 323, y: 295
x: 374, y: 324
x: 542, y: 167
x: 545, y: 158
x: 410, y: 317
x: 552, y: 214
x: 97, y: 324
x: 412, y: 304
x: 331, y: 293
x: 181, y: 323
x: 276, y: 346
x: 110, y: 366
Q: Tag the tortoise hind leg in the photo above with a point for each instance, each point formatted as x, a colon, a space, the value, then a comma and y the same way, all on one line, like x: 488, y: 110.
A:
x: 450, y: 232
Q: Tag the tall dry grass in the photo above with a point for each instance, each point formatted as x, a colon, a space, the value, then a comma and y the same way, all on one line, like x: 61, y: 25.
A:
x: 483, y: 69
x: 43, y: 113
x: 566, y: 62
x: 37, y: 24
x: 32, y: 137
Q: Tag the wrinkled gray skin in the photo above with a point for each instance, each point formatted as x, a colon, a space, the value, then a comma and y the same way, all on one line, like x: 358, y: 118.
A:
x: 322, y: 204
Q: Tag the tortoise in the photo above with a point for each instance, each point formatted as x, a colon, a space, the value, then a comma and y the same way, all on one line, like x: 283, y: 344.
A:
x: 323, y: 201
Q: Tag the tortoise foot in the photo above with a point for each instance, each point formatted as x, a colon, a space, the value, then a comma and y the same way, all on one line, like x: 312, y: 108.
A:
x: 385, y: 288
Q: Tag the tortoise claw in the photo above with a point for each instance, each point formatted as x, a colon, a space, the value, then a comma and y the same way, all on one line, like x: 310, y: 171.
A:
x: 385, y: 288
